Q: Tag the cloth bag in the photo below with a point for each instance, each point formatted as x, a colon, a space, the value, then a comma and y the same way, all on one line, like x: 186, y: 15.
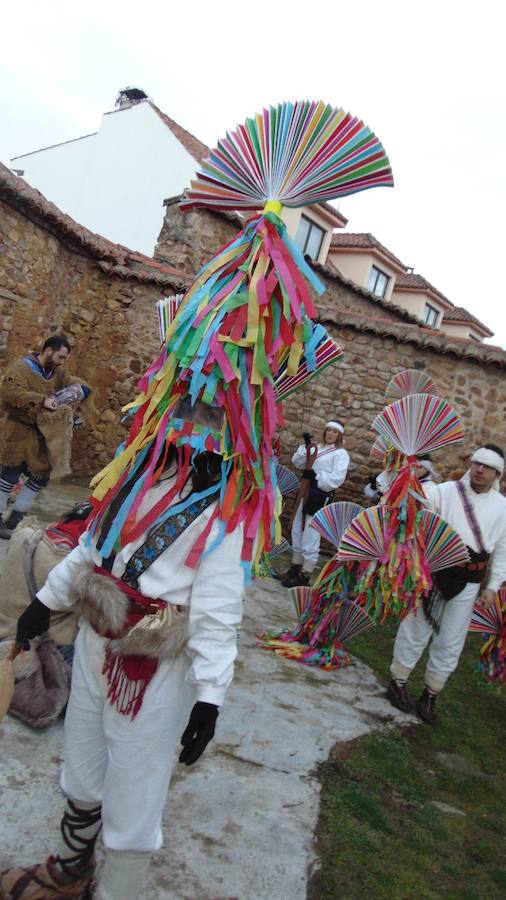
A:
x: 41, y: 683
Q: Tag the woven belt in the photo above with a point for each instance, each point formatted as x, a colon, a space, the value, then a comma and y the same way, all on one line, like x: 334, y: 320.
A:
x: 473, y: 567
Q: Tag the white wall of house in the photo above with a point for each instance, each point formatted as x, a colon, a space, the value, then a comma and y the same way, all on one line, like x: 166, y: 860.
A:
x: 357, y: 266
x: 454, y: 329
x: 416, y: 302
x: 292, y: 216
x: 115, y: 181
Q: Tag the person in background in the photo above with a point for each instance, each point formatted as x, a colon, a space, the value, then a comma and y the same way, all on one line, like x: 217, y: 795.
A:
x: 27, y: 392
x: 476, y: 510
x: 378, y: 485
x: 324, y: 469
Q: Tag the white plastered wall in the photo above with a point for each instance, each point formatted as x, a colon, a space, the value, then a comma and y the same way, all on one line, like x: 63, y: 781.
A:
x: 114, y: 182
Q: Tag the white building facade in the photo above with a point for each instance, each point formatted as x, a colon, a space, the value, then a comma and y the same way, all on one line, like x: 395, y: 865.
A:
x: 115, y: 180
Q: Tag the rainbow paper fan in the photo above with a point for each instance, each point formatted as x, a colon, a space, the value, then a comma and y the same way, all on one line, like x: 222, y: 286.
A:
x: 323, y: 351
x: 492, y: 623
x: 166, y: 309
x: 296, y: 153
x: 282, y: 547
x: 419, y: 424
x: 301, y: 597
x: 443, y: 546
x: 350, y: 620
x: 409, y: 381
x: 492, y: 620
x: 287, y: 481
x: 380, y: 448
x: 365, y: 536
x: 332, y: 521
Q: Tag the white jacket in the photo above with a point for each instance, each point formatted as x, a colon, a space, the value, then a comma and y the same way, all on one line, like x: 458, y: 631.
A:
x: 330, y: 468
x: 490, y: 511
x: 213, y: 592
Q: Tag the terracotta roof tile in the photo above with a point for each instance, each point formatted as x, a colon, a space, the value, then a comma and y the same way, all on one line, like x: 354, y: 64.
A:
x: 111, y: 257
x: 195, y: 148
x: 459, y: 314
x: 363, y: 241
x: 333, y: 211
x: 412, y: 281
x: 421, y: 337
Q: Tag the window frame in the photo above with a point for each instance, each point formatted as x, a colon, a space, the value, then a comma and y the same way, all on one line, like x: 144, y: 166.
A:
x: 312, y: 226
x: 379, y: 273
x: 426, y: 315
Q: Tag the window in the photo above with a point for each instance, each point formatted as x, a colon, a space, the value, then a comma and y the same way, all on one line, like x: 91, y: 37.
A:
x: 430, y: 315
x: 378, y: 282
x: 309, y: 237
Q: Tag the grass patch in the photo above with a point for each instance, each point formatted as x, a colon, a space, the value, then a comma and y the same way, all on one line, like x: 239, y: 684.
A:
x: 379, y: 835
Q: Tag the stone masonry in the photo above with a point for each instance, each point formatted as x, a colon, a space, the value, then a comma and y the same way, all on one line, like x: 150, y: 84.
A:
x: 56, y: 277
x: 379, y: 339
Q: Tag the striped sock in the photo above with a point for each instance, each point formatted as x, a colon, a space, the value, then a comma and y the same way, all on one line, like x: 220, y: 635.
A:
x: 27, y: 495
x: 5, y: 490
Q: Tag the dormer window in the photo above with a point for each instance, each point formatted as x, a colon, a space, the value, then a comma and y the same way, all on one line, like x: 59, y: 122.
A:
x: 309, y: 238
x: 378, y: 282
x: 430, y: 315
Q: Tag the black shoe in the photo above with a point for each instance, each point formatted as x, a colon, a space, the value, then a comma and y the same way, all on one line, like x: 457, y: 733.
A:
x: 293, y: 571
x: 6, y: 528
x: 300, y: 580
x: 425, y: 706
x: 398, y: 696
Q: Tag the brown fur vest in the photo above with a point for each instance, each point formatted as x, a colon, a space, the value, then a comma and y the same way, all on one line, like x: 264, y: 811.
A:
x: 102, y: 603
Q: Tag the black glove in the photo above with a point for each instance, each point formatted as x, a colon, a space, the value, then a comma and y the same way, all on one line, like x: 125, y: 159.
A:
x: 198, y: 732
x: 310, y: 474
x: 31, y: 623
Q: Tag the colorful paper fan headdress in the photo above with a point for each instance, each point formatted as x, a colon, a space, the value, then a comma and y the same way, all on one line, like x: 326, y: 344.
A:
x: 244, y: 329
x: 380, y: 448
x: 294, y: 153
x: 409, y: 381
x: 419, y: 423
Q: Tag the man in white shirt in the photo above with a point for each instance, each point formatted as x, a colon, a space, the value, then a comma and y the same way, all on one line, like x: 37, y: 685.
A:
x: 476, y: 510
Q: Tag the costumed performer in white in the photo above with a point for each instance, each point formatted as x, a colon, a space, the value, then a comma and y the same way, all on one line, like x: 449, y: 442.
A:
x: 325, y: 467
x: 126, y: 712
x: 476, y: 510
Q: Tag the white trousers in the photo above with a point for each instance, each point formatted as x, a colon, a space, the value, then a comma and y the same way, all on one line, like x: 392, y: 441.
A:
x: 123, y: 764
x: 415, y: 632
x: 305, y: 542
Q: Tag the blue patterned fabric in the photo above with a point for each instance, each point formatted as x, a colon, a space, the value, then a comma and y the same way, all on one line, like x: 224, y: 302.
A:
x: 160, y: 538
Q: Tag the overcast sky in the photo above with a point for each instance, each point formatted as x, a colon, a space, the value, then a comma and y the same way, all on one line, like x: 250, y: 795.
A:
x: 428, y: 78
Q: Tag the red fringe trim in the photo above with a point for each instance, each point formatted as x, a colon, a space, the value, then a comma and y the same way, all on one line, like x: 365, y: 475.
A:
x: 128, y: 678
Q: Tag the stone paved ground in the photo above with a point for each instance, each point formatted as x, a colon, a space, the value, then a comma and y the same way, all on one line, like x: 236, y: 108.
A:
x: 239, y: 825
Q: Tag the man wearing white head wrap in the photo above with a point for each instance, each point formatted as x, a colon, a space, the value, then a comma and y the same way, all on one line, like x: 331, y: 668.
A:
x: 326, y: 471
x: 477, y: 512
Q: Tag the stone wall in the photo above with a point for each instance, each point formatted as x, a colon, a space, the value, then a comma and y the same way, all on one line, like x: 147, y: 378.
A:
x: 189, y: 239
x: 353, y: 391
x: 47, y: 286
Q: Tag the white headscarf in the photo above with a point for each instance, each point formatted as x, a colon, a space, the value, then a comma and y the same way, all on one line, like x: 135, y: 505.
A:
x: 487, y: 458
x: 336, y: 425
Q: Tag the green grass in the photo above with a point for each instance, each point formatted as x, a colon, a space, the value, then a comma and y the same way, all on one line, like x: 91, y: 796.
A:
x: 379, y: 836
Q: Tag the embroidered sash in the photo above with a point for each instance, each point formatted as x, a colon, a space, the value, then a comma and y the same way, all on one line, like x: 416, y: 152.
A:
x: 160, y: 538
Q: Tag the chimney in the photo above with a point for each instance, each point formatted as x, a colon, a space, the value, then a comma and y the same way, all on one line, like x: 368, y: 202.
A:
x: 130, y: 96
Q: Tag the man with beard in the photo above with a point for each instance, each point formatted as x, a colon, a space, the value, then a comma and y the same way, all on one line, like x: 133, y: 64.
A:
x: 28, y: 393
